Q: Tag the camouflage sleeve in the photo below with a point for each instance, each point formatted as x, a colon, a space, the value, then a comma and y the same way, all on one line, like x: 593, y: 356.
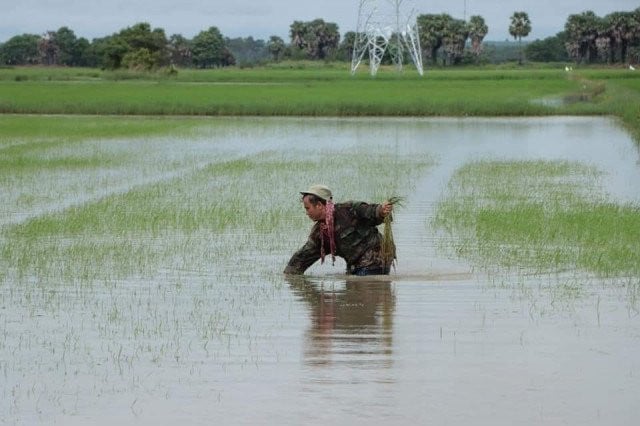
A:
x: 303, y: 258
x: 369, y: 212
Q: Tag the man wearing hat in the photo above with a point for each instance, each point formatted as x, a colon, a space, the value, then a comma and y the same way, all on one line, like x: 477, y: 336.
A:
x: 348, y: 230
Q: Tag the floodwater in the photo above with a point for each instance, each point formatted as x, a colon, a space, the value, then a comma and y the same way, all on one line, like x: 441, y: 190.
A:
x: 236, y: 342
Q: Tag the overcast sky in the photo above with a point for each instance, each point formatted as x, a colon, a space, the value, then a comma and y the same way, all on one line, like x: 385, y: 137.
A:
x: 261, y: 19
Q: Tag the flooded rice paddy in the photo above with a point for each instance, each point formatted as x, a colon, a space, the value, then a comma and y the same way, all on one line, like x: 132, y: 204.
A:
x: 140, y: 281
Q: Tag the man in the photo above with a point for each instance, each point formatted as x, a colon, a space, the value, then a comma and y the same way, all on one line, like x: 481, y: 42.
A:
x: 348, y: 230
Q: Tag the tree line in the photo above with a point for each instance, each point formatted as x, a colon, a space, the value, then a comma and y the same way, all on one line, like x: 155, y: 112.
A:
x: 587, y: 38
x: 137, y: 47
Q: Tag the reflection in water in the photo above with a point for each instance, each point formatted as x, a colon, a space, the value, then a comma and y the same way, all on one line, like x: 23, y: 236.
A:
x: 351, y: 326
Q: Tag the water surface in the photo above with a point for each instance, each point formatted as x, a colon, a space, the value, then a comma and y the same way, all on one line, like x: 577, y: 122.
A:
x: 222, y: 337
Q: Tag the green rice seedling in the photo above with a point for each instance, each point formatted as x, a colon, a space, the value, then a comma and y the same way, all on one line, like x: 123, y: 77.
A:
x: 189, y: 218
x: 40, y: 130
x: 540, y: 215
x: 388, y: 243
x: 318, y: 93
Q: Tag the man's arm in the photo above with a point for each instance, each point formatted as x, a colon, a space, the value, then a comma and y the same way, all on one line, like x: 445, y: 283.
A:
x: 303, y: 258
x: 375, y: 213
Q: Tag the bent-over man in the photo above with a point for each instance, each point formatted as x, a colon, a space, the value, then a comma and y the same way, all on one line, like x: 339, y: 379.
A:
x: 348, y: 230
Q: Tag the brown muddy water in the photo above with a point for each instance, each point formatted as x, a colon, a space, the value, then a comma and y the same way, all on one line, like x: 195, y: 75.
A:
x: 229, y: 340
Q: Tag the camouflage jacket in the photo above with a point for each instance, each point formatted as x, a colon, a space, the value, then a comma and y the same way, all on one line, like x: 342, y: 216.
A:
x: 357, y: 239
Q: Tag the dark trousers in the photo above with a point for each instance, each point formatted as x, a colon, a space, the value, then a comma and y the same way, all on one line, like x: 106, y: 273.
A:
x: 370, y: 270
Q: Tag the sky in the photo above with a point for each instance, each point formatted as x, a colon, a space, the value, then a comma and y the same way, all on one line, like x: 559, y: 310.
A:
x: 262, y: 19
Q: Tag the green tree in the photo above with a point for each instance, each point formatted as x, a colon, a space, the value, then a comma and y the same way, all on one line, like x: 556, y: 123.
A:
x: 520, y: 27
x: 139, y: 60
x: 634, y: 54
x: 319, y: 39
x: 453, y: 40
x: 48, y: 49
x: 62, y: 47
x: 621, y: 28
x: 449, y: 34
x: 297, y: 32
x: 247, y: 50
x: 82, y: 53
x: 70, y: 47
x: 112, y: 50
x: 636, y: 32
x: 328, y: 38
x: 141, y: 36
x: 345, y: 49
x: 21, y: 50
x: 276, y: 48
x: 550, y: 49
x: 604, y: 46
x: 477, y: 31
x: 208, y: 49
x: 431, y: 29
x: 136, y: 41
x: 179, y: 51
x: 582, y: 31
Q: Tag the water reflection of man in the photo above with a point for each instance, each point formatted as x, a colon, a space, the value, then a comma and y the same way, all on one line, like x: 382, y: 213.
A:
x: 351, y: 323
x: 348, y: 230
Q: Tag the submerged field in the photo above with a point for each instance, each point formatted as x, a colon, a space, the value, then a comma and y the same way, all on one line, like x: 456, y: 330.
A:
x: 141, y: 259
x: 69, y: 195
x: 144, y: 226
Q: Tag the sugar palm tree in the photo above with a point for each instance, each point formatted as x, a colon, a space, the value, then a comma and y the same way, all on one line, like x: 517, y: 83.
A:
x: 582, y: 31
x: 297, y: 32
x: 621, y: 27
x: 520, y: 27
x: 431, y: 30
x: 276, y: 47
x: 453, y: 40
x: 477, y: 30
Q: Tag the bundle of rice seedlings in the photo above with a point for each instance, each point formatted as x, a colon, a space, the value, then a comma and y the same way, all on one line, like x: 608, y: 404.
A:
x: 388, y: 245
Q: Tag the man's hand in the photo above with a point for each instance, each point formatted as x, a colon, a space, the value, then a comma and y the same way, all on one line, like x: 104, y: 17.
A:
x: 385, y: 209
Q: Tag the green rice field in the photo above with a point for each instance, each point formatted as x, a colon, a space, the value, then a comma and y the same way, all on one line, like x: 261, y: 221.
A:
x: 547, y: 216
x: 320, y: 91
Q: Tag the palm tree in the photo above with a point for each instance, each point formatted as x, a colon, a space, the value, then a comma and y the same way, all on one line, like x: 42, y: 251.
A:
x: 582, y: 30
x: 477, y: 30
x: 276, y: 47
x: 318, y: 39
x: 621, y: 27
x: 328, y: 38
x: 453, y: 40
x: 297, y: 32
x: 603, y: 47
x: 520, y: 27
x: 431, y: 30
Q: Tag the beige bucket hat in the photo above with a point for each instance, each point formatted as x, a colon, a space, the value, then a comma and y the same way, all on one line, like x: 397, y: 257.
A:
x: 320, y: 191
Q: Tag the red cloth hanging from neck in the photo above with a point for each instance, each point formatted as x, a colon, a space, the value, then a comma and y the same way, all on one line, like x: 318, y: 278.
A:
x: 327, y: 229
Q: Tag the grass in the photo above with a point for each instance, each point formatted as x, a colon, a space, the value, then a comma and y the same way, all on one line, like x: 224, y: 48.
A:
x: 545, y: 216
x: 314, y: 89
x: 313, y: 98
x: 285, y: 92
x: 79, y: 127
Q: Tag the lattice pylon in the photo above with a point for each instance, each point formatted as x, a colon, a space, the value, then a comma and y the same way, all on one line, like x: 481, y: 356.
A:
x: 373, y: 35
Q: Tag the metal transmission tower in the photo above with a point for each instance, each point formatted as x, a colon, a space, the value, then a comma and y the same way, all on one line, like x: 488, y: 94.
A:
x: 380, y: 22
